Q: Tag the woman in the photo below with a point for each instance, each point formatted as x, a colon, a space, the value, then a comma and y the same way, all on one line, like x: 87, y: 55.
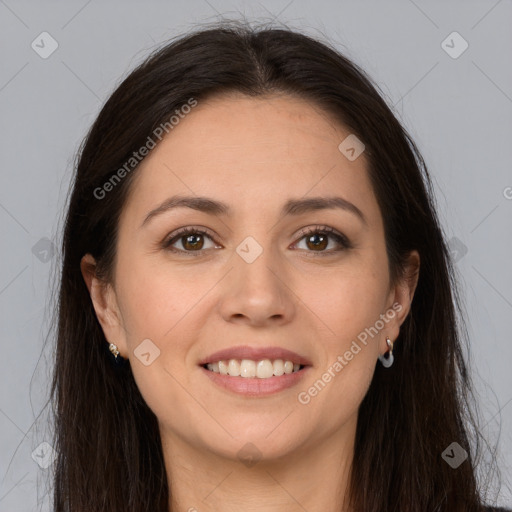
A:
x: 257, y: 302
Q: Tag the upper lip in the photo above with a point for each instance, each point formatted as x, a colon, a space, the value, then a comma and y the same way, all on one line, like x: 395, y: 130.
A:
x: 256, y: 354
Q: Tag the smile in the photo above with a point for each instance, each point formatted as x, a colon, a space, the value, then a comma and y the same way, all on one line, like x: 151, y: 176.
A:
x: 248, y: 368
x: 253, y: 378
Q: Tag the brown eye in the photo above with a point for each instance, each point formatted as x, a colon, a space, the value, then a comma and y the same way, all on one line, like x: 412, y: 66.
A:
x: 317, y: 240
x: 192, y: 240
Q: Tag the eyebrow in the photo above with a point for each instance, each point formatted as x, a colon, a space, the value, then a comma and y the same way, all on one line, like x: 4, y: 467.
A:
x: 291, y: 207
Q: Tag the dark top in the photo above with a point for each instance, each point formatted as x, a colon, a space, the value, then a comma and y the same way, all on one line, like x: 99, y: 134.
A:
x: 499, y: 509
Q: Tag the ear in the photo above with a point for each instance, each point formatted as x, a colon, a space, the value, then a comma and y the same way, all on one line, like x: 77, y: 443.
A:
x: 400, y: 298
x: 105, y: 304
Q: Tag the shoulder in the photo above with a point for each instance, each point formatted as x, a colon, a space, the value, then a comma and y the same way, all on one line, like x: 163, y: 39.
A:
x: 497, y: 509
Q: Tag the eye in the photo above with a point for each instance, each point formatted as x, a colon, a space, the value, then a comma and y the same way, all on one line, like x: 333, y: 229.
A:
x: 191, y: 240
x: 316, y: 239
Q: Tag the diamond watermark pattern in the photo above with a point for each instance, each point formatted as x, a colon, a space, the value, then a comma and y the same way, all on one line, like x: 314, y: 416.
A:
x: 44, y: 45
x: 454, y: 45
x: 44, y: 455
x: 44, y: 250
x: 147, y: 352
x: 351, y: 147
x: 457, y: 249
x: 454, y: 455
x: 249, y: 249
x: 249, y: 455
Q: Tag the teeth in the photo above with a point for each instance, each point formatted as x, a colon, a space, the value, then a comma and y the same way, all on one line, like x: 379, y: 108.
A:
x: 264, y: 369
x: 223, y: 368
x: 233, y: 367
x: 248, y: 368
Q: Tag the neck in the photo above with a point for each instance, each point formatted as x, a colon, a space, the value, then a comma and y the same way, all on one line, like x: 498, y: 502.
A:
x: 312, y: 478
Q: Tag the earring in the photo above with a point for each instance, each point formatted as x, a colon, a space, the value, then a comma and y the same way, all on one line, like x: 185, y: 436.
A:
x: 387, y: 361
x: 114, y: 350
x: 119, y: 360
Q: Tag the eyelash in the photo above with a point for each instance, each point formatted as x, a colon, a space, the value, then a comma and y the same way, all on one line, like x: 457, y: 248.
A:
x: 325, y: 230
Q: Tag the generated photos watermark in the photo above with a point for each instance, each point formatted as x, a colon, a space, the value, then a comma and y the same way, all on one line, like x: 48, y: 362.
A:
x: 137, y: 156
x: 304, y: 397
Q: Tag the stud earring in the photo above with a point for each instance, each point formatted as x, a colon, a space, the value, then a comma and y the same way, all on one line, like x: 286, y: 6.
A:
x: 114, y: 350
x: 387, y: 361
x: 119, y: 360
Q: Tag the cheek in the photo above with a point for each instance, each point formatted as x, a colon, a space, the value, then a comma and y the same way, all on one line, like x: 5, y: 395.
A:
x: 155, y: 298
x: 347, y: 304
x: 347, y: 300
x: 349, y: 307
x: 158, y: 305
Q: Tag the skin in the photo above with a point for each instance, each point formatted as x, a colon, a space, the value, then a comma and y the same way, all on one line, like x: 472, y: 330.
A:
x: 253, y: 155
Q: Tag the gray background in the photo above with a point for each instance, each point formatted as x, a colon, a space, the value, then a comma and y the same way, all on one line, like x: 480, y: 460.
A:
x: 459, y: 110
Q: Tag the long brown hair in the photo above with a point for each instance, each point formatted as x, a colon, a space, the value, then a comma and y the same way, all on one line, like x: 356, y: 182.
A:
x: 107, y: 439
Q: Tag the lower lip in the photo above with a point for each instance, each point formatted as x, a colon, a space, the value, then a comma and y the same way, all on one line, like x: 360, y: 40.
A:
x: 255, y: 386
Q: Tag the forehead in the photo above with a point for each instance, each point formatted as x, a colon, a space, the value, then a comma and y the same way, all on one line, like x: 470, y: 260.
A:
x: 243, y: 149
x: 278, y: 125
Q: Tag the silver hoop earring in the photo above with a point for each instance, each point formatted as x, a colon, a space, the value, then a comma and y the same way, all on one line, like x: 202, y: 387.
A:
x: 387, y: 361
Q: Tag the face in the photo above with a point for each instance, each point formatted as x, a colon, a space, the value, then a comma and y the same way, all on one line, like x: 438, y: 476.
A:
x: 252, y: 273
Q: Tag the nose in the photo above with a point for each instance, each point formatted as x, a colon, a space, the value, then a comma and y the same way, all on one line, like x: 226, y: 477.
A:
x: 258, y: 293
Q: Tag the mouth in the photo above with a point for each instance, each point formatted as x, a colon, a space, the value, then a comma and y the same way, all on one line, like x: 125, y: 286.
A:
x: 249, y: 368
x: 254, y: 362
x: 255, y: 378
